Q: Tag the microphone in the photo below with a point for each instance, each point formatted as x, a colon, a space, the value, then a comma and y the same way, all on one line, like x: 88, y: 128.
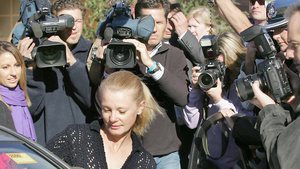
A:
x: 108, y: 34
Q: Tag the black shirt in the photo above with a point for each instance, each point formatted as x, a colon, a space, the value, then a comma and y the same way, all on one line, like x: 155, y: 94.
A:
x: 81, y: 145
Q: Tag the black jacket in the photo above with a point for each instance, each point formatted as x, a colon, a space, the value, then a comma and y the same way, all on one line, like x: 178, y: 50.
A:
x: 82, y: 146
x: 281, y: 141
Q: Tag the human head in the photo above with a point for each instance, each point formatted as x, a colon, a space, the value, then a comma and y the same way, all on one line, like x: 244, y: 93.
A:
x: 159, y: 10
x: 7, y: 48
x: 278, y: 24
x: 257, y: 10
x: 231, y: 47
x: 135, y: 94
x: 293, y: 15
x: 199, y: 22
x: 170, y: 28
x: 76, y: 9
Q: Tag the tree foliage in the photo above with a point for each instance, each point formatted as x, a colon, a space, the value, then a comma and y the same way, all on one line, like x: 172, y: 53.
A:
x: 96, y: 10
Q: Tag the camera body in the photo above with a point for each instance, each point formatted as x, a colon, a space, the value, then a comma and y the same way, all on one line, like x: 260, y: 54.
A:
x: 270, y: 73
x: 212, y: 69
x: 119, y: 25
x: 39, y: 24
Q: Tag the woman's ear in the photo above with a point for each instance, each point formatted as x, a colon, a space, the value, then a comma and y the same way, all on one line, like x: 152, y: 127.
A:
x: 141, y: 107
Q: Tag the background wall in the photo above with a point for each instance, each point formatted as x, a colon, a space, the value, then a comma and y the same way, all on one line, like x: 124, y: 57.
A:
x: 9, y: 14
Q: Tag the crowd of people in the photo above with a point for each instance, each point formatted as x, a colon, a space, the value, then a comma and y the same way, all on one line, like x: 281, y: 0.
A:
x: 146, y: 116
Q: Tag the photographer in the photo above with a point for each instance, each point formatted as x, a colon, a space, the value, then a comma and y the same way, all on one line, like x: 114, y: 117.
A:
x: 221, y: 96
x: 60, y: 95
x: 281, y: 140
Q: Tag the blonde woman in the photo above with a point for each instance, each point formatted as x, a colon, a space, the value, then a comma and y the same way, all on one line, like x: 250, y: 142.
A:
x: 13, y: 92
x: 199, y: 22
x: 126, y: 107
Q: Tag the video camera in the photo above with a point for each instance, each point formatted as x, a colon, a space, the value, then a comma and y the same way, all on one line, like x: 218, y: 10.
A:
x: 270, y: 72
x: 39, y: 24
x: 119, y: 24
x: 212, y: 69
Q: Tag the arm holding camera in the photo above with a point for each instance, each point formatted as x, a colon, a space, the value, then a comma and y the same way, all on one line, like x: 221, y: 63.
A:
x: 70, y: 57
x: 193, y: 111
x: 278, y: 138
x: 143, y: 55
x: 169, y: 70
x: 236, y: 18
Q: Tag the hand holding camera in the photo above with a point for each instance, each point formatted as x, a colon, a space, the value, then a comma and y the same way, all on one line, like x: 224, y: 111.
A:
x: 271, y: 75
x: 26, y: 46
x: 215, y: 93
x: 142, y: 53
x: 260, y: 99
x: 70, y: 57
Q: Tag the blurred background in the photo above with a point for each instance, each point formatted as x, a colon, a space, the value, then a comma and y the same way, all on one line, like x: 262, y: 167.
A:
x: 9, y: 14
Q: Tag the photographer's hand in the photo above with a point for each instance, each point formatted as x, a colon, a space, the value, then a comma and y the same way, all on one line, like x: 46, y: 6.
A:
x: 215, y: 93
x: 26, y: 46
x: 180, y: 23
x: 142, y: 55
x: 70, y: 57
x: 260, y: 99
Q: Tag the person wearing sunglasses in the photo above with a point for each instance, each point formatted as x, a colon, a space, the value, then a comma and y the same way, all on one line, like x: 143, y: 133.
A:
x: 257, y: 11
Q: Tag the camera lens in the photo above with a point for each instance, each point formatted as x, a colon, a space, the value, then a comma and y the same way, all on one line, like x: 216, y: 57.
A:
x: 206, y: 80
x: 121, y: 55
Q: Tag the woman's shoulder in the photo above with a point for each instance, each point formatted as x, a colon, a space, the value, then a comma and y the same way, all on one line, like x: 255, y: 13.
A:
x: 83, y: 129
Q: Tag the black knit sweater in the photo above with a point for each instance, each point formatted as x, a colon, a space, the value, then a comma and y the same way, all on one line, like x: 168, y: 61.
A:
x: 81, y: 145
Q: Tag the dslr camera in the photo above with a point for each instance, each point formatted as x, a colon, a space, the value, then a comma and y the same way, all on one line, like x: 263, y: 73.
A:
x: 118, y: 25
x: 212, y: 69
x: 39, y: 24
x: 270, y: 73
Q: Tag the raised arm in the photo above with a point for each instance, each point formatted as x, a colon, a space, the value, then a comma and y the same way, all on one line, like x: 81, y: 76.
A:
x: 235, y: 17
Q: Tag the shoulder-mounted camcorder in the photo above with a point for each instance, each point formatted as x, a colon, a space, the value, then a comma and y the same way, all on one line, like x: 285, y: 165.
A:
x: 119, y: 24
x: 38, y: 23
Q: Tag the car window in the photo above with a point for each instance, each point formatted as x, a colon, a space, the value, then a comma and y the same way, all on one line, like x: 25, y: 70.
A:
x: 15, y: 155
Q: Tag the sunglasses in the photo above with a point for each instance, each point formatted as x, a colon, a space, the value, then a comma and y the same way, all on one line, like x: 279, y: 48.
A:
x: 260, y: 2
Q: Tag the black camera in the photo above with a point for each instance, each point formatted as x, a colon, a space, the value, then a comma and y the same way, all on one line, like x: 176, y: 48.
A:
x: 119, y: 24
x: 212, y: 69
x: 39, y: 24
x: 270, y: 72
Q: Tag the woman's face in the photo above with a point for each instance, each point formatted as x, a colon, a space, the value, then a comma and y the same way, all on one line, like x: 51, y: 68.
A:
x: 119, y: 111
x: 10, y: 70
x: 199, y: 29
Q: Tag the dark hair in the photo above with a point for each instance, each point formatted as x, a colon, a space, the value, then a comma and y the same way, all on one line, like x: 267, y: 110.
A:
x: 67, y: 4
x: 151, y: 4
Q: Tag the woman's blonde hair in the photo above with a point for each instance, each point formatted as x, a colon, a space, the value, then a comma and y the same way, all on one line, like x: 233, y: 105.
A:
x: 231, y: 46
x: 202, y: 14
x: 8, y: 47
x: 125, y: 80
